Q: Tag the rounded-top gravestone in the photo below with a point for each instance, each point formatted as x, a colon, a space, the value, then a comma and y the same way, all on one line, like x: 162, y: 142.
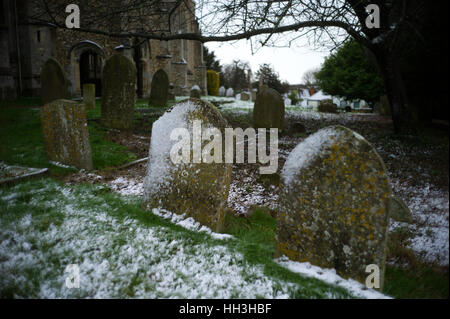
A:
x: 198, y: 185
x: 334, y: 204
x: 53, y: 82
x: 118, y: 92
x: 195, y: 92
x: 268, y: 111
x: 222, y: 91
x: 159, y: 93
x: 230, y: 92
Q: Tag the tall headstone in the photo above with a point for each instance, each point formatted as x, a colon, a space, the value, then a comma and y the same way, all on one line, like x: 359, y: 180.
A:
x: 193, y: 187
x: 268, y: 111
x: 89, y: 95
x: 222, y: 91
x: 118, y: 93
x: 65, y: 131
x: 53, y: 82
x: 159, y: 89
x: 335, y: 202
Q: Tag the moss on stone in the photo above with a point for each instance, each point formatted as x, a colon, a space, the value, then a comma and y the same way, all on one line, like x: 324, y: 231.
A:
x: 159, y: 93
x: 268, y: 111
x: 335, y: 212
x: 199, y: 190
x: 118, y: 93
x: 53, y: 82
x: 65, y: 132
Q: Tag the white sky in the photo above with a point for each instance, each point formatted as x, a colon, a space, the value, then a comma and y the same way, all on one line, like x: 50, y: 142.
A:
x: 290, y: 63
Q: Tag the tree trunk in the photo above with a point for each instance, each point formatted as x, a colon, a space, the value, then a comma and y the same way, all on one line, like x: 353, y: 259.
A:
x: 404, y: 116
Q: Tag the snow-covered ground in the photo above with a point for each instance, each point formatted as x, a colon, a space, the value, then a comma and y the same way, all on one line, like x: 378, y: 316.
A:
x: 119, y: 257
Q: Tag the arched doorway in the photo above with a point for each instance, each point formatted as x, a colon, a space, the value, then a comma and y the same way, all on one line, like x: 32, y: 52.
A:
x: 90, y: 70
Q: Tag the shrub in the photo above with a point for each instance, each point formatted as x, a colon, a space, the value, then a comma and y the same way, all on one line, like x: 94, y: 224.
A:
x: 213, y: 82
x: 294, y: 98
x: 327, y: 106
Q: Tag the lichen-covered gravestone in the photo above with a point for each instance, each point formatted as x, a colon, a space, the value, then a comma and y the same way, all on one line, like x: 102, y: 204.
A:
x: 333, y: 209
x: 89, y: 95
x: 118, y: 93
x: 53, y: 82
x: 198, y: 189
x: 159, y: 89
x: 268, y: 111
x: 65, y: 132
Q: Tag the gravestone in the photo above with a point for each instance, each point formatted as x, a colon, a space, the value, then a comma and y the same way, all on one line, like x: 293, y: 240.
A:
x: 159, y: 89
x: 195, y: 92
x: 245, y: 96
x: 65, y: 132
x: 53, y: 82
x: 197, y: 189
x: 118, y: 93
x: 268, y: 111
x: 287, y: 102
x: 254, y: 95
x: 334, y: 205
x: 89, y: 95
x: 222, y: 91
x: 230, y: 92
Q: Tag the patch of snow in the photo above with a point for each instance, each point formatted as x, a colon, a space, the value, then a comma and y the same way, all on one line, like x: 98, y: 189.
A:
x: 188, y: 223
x: 330, y: 276
x: 126, y: 186
x: 306, y: 151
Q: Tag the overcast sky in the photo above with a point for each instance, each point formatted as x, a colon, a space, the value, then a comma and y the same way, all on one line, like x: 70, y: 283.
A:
x: 290, y: 63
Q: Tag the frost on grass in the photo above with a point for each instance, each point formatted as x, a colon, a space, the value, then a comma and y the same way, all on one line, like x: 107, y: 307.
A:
x: 330, y: 276
x: 117, y: 256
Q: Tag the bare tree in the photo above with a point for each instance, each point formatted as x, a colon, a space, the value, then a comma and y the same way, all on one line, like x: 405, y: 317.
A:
x: 264, y: 23
x: 309, y: 78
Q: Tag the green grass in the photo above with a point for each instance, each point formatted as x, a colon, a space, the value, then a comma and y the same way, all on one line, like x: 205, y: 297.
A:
x: 50, y: 203
x: 21, y: 142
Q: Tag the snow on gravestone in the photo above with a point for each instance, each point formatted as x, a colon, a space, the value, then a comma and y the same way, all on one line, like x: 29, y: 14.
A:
x: 334, y: 203
x: 268, y: 111
x: 65, y: 133
x: 159, y: 93
x: 222, y: 91
x: 118, y: 93
x: 195, y: 92
x: 199, y: 190
x: 53, y: 82
x: 245, y: 96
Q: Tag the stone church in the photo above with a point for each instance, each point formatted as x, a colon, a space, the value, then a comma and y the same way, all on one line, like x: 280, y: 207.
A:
x: 25, y: 48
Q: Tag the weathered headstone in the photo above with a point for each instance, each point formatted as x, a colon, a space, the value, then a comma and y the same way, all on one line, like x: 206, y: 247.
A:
x: 65, y: 132
x: 89, y: 95
x: 334, y: 204
x: 268, y: 111
x: 230, y: 92
x: 53, y: 82
x: 195, y: 92
x: 245, y: 96
x: 197, y: 189
x: 118, y: 93
x: 159, y: 89
x: 254, y: 95
x: 222, y: 91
